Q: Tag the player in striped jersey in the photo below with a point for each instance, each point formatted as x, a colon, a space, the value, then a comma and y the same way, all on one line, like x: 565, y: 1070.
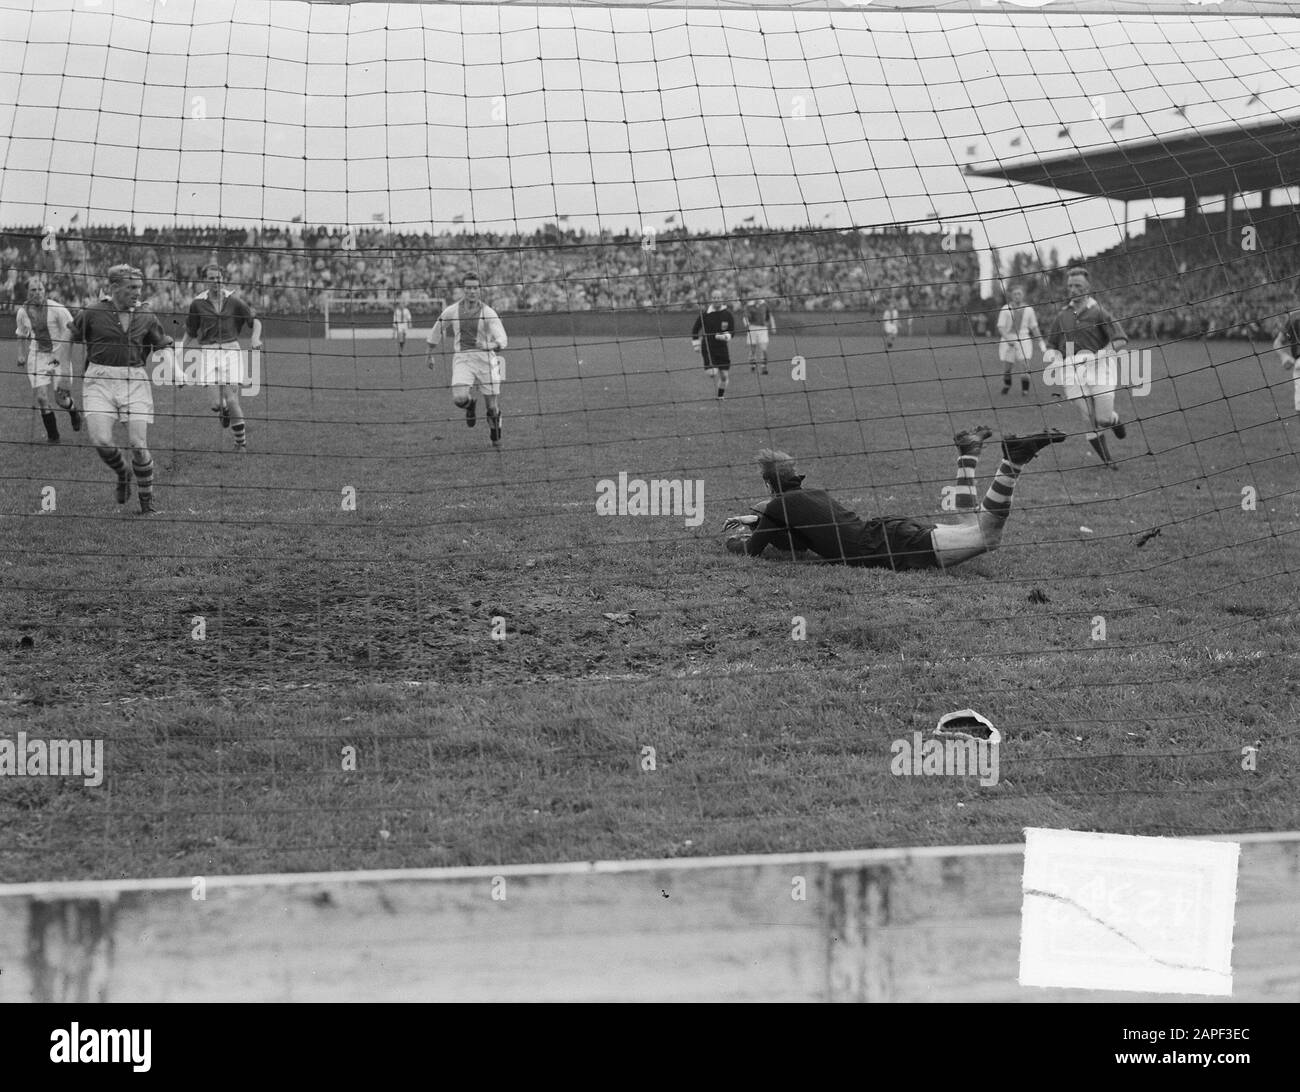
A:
x: 1081, y: 337
x: 1287, y: 342
x: 216, y: 319
x: 889, y: 323
x: 44, y: 329
x: 477, y: 337
x: 401, y: 322
x: 1017, y: 327
x: 760, y: 324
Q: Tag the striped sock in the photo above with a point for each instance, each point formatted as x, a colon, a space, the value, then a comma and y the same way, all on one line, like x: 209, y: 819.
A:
x: 113, y: 457
x: 964, y: 489
x: 143, y: 476
x: 997, y: 501
x: 240, y: 432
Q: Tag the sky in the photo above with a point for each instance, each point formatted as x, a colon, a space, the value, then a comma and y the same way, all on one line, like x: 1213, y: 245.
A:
x: 501, y: 118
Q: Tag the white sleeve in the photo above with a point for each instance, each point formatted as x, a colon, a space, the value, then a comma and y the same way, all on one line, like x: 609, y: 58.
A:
x: 497, y: 331
x: 1004, y: 321
x: 23, y: 325
x: 437, y: 333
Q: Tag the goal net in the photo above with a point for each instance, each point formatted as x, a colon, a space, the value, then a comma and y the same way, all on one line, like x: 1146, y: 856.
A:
x: 472, y: 604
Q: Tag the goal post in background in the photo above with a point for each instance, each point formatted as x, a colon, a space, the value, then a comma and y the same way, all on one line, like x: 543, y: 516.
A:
x: 375, y: 640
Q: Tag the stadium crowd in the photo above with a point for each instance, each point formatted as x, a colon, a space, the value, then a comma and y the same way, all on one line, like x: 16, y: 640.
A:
x: 553, y: 269
x: 1175, y: 280
x: 1179, y: 280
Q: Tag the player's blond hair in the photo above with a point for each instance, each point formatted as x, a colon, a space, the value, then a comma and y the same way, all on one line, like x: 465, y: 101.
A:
x: 778, y: 470
x: 1078, y: 271
x: 119, y: 274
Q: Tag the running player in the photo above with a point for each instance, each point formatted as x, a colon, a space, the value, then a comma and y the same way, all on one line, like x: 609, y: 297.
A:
x: 1017, y: 329
x: 477, y: 337
x: 1082, y: 342
x: 216, y: 319
x: 889, y: 323
x: 795, y: 519
x: 44, y: 330
x: 710, y: 335
x: 760, y: 324
x: 119, y: 335
x: 401, y: 322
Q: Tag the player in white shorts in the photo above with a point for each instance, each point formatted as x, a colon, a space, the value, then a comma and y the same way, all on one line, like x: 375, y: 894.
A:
x: 1081, y: 344
x: 1017, y: 331
x: 119, y: 336
x: 889, y: 325
x: 216, y: 320
x: 477, y: 337
x: 44, y: 328
x: 760, y: 324
x: 401, y: 323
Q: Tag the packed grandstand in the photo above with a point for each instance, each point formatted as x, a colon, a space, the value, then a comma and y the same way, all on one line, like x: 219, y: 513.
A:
x: 1177, y: 279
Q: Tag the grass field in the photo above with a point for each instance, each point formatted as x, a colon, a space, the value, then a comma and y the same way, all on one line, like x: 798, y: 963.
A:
x: 325, y: 629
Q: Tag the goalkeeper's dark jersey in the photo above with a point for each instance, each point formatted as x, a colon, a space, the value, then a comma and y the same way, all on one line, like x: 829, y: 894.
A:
x: 809, y: 519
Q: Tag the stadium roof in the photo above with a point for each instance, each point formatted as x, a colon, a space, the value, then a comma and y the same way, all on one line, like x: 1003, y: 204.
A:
x: 1231, y: 160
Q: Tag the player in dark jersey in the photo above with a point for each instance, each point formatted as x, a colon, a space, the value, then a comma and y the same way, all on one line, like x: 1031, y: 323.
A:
x: 119, y: 336
x: 796, y: 519
x: 216, y: 319
x: 710, y: 335
x: 1081, y: 343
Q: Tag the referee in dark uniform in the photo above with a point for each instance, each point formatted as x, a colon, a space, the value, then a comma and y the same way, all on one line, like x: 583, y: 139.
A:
x: 712, y: 334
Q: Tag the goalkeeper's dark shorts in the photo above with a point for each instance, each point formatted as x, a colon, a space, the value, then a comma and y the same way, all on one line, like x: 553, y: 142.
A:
x: 898, y: 543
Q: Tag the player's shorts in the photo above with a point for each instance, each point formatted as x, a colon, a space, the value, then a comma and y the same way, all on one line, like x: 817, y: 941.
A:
x: 891, y: 329
x: 909, y: 546
x: 221, y: 365
x: 123, y: 392
x: 479, y: 368
x: 1090, y: 375
x: 718, y: 357
x: 400, y: 330
x: 1012, y: 353
x: 44, y: 368
x: 758, y: 337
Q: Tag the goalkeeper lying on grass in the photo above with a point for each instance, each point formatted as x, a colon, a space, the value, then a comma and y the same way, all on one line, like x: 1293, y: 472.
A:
x: 796, y: 519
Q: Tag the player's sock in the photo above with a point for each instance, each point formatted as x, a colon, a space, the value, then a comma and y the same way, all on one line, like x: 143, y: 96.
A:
x: 143, y: 480
x: 494, y: 427
x: 1024, y: 384
x: 51, y: 424
x: 471, y: 413
x: 1006, y: 382
x: 997, y: 501
x: 964, y: 487
x: 113, y: 457
x: 74, y: 416
x: 240, y: 432
x: 1118, y: 428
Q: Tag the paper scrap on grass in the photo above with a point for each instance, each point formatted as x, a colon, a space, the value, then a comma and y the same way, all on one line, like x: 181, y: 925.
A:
x: 1118, y: 912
